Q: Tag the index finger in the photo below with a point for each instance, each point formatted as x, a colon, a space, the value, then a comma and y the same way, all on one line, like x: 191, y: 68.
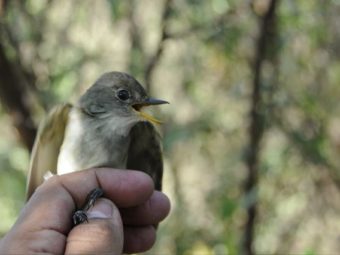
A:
x: 125, y: 188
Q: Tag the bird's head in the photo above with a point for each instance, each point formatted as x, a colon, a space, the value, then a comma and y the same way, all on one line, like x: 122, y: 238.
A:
x: 118, y: 95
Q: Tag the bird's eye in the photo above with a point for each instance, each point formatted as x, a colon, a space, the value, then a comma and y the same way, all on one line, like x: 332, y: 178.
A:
x: 123, y: 94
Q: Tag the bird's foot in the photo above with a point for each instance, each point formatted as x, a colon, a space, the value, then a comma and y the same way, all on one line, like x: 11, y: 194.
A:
x: 80, y: 215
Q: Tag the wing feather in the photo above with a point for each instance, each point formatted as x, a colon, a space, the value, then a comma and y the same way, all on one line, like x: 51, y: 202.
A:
x: 46, y: 147
x: 145, y: 152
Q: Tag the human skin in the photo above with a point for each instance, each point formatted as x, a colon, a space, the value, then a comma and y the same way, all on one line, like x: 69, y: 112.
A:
x: 123, y: 221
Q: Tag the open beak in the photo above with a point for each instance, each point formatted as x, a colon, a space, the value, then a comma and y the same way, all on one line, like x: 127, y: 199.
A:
x: 147, y: 102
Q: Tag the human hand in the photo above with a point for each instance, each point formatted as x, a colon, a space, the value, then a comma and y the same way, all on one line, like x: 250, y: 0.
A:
x: 123, y: 221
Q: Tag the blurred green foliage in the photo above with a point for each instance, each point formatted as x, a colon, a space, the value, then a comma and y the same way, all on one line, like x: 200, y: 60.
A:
x: 205, y: 71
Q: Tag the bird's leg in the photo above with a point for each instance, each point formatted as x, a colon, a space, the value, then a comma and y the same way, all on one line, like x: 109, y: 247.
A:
x: 91, y: 198
x: 80, y: 215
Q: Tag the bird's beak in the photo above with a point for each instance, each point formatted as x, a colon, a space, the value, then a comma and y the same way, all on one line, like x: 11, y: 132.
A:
x: 153, y: 101
x: 147, y: 102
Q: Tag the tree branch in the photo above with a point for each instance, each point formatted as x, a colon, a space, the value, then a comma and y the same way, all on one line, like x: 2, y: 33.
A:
x: 14, y: 98
x: 158, y: 52
x: 257, y: 123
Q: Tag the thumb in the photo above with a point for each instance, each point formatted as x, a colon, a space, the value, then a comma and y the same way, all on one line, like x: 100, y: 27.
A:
x: 102, y: 234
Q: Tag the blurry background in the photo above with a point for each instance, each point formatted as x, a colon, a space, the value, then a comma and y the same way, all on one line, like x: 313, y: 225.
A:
x: 252, y: 134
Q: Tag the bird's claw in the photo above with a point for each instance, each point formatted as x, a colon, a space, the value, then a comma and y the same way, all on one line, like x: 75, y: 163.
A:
x: 80, y: 215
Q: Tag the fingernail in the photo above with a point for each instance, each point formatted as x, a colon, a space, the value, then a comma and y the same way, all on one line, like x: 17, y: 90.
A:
x: 102, y: 209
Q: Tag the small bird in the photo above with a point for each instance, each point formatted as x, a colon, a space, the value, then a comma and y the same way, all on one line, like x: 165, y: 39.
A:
x: 105, y: 128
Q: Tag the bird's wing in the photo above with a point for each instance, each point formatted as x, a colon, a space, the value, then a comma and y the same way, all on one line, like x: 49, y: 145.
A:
x: 145, y: 152
x: 46, y: 147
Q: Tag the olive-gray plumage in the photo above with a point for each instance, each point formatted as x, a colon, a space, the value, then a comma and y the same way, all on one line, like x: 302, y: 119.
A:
x: 105, y: 128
